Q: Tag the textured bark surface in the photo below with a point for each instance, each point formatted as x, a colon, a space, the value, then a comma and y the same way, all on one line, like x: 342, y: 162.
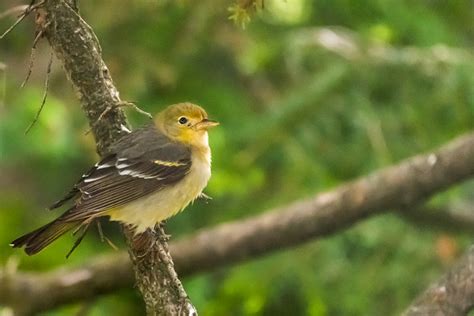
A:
x: 401, y: 186
x: 77, y: 47
x: 452, y: 295
x: 162, y: 291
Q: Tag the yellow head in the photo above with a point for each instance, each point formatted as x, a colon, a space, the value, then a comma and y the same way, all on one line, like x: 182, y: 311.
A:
x: 185, y: 122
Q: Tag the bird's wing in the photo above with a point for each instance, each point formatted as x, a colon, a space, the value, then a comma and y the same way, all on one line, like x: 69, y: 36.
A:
x: 140, y: 163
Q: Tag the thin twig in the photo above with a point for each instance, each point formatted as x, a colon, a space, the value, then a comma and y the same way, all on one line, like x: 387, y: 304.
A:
x: 123, y: 104
x: 135, y: 107
x: 113, y: 107
x: 33, y: 54
x: 104, y: 113
x: 23, y: 15
x: 45, y: 94
x: 11, y: 11
x: 101, y: 116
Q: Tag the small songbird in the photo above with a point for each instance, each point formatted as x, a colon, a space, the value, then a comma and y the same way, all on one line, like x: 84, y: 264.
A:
x: 148, y: 176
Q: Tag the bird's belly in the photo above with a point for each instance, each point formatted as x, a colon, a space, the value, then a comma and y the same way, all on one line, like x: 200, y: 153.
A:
x: 147, y: 211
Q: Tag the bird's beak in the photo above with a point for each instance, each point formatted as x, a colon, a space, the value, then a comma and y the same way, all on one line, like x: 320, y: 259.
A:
x: 206, y: 124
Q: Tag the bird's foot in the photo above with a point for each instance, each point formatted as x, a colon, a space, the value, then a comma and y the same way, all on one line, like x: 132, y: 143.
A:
x: 205, y: 197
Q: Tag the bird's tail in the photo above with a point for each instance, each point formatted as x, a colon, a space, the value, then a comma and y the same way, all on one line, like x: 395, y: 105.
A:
x: 38, y: 239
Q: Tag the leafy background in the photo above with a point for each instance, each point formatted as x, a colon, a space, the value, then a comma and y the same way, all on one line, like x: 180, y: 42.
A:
x: 310, y: 94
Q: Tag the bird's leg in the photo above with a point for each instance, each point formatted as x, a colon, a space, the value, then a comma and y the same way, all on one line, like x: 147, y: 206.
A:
x: 101, y: 233
x: 103, y: 237
x: 163, y: 236
x: 143, y: 242
x: 84, y: 226
x: 205, y: 197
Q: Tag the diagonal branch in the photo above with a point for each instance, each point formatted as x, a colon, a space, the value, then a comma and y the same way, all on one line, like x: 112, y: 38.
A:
x: 397, y: 187
x: 401, y: 186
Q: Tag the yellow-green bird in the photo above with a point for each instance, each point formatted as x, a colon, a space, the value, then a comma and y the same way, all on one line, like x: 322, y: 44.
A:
x: 148, y: 176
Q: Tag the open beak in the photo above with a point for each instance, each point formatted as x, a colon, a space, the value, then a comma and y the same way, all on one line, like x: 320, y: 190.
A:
x: 206, y: 124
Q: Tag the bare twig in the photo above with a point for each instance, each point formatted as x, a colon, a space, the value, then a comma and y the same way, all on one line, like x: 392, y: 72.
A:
x: 122, y: 104
x: 32, y: 56
x: 45, y: 94
x: 136, y: 108
x: 105, y: 112
x: 13, y: 10
x: 32, y: 59
x: 115, y: 106
x: 23, y: 15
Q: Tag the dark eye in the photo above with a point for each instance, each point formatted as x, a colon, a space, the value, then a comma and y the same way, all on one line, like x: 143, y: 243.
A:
x: 182, y: 120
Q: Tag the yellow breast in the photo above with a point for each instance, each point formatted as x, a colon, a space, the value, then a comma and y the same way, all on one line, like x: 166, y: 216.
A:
x: 147, y: 211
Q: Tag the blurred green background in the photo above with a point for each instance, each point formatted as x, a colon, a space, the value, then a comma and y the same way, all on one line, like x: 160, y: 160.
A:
x: 310, y: 94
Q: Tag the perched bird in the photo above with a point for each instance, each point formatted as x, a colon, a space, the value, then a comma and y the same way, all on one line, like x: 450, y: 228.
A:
x: 148, y: 176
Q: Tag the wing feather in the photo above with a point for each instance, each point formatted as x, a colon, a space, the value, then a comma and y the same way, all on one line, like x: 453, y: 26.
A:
x: 139, y: 164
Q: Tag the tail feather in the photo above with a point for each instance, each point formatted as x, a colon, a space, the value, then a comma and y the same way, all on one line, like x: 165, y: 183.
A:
x: 38, y: 239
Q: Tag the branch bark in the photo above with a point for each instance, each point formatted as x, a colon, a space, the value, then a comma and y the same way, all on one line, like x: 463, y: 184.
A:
x: 452, y: 295
x: 77, y: 47
x: 401, y: 186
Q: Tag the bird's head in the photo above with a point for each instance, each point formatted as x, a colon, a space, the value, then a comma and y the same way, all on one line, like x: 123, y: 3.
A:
x: 185, y: 122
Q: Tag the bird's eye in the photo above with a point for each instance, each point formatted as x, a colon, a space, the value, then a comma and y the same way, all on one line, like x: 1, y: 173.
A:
x: 182, y: 120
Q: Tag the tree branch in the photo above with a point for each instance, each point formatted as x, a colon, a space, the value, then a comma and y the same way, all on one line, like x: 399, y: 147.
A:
x: 77, y: 47
x: 452, y: 295
x: 401, y: 186
x: 397, y: 187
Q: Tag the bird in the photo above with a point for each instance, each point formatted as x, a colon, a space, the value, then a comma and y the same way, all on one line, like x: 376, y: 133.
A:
x: 147, y: 176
